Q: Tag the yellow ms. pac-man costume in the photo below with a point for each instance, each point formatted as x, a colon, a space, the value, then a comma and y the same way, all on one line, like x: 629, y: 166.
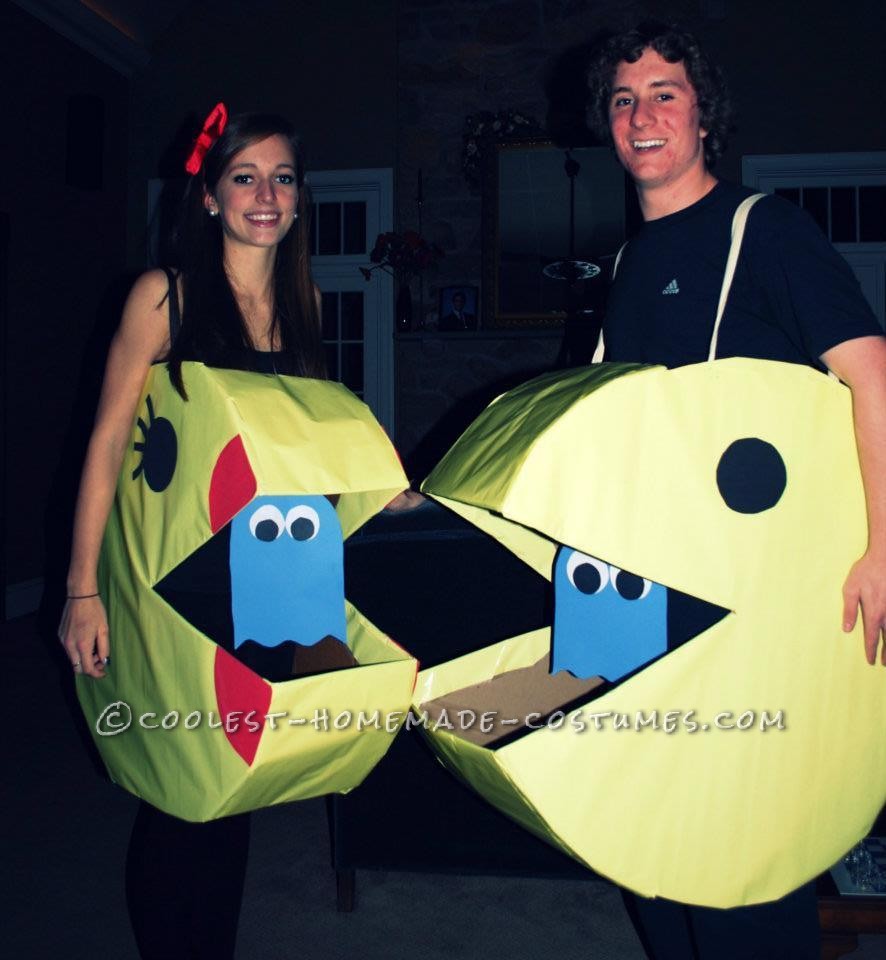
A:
x: 735, y: 483
x: 266, y: 475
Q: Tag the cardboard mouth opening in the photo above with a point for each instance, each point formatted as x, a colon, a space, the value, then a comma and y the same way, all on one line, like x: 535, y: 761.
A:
x: 199, y: 590
x: 494, y: 713
x: 498, y: 711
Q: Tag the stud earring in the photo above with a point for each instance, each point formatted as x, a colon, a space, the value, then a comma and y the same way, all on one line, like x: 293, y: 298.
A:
x: 295, y: 215
x: 213, y: 213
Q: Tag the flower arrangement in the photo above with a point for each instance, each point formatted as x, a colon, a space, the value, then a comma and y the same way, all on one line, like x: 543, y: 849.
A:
x: 402, y: 255
x: 484, y: 128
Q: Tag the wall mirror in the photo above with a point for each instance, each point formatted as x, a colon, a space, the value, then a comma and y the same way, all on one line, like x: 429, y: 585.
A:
x: 527, y: 217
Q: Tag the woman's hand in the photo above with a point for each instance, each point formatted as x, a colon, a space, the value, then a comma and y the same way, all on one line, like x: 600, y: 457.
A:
x: 83, y: 632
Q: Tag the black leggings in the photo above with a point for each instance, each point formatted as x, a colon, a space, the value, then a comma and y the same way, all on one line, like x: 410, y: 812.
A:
x: 785, y: 929
x: 184, y: 885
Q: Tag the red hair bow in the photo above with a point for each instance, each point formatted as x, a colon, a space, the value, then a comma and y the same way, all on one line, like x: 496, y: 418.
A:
x: 213, y: 127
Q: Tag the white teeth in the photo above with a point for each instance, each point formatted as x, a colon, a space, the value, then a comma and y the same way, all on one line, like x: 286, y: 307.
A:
x: 262, y: 216
x: 644, y: 144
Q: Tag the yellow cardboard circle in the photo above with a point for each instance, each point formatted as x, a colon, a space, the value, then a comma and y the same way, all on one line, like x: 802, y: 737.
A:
x: 621, y: 462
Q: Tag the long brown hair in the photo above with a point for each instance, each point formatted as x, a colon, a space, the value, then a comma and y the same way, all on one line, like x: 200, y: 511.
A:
x: 213, y: 328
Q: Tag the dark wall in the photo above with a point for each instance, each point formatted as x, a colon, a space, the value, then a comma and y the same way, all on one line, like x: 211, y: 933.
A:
x: 65, y: 249
x: 328, y: 65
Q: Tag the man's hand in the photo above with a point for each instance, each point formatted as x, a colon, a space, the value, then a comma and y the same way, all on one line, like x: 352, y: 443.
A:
x: 861, y: 365
x: 866, y: 586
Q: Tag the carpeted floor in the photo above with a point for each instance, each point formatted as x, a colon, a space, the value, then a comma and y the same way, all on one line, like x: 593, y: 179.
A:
x: 65, y: 830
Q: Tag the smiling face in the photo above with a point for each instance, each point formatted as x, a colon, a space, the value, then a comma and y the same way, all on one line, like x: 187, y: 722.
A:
x: 654, y: 121
x: 256, y: 196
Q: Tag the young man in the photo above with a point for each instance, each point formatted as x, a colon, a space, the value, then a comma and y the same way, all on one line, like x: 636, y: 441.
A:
x: 664, y: 108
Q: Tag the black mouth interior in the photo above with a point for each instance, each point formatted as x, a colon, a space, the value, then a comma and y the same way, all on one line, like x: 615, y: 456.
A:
x: 199, y: 589
x: 688, y: 617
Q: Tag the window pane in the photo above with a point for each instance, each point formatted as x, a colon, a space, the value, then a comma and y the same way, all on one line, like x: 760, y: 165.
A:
x: 789, y: 193
x: 843, y: 215
x: 872, y: 211
x: 330, y: 229
x: 352, y: 315
x: 815, y: 203
x: 329, y: 310
x: 352, y: 365
x: 332, y: 370
x: 355, y: 228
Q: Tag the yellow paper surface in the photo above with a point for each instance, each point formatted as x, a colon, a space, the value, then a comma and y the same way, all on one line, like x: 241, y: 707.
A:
x: 300, y: 436
x: 621, y: 462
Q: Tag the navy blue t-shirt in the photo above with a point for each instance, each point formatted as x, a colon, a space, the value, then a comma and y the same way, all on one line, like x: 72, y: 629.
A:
x: 793, y: 296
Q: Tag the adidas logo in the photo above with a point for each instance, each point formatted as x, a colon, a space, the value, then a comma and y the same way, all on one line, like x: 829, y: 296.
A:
x: 672, y: 287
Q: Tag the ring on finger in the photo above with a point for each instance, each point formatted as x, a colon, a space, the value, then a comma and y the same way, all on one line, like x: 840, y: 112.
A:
x: 77, y: 665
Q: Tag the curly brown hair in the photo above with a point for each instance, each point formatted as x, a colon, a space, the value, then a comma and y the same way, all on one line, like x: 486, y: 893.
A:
x: 674, y: 45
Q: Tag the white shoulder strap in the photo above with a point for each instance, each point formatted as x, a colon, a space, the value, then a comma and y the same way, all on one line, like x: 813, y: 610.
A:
x: 739, y: 221
x: 600, y: 349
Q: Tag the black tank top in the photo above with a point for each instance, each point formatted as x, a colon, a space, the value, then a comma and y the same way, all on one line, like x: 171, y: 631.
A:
x: 237, y: 358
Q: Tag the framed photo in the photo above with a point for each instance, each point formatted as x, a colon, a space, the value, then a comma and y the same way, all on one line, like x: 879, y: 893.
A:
x: 459, y: 308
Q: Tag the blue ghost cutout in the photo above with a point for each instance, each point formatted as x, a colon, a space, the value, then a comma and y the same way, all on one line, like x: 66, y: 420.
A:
x: 287, y: 571
x: 607, y: 622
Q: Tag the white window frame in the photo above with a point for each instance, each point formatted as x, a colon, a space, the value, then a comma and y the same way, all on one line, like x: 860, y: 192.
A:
x: 770, y: 172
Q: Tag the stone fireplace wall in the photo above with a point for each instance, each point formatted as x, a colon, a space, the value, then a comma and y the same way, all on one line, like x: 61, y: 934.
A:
x: 458, y: 57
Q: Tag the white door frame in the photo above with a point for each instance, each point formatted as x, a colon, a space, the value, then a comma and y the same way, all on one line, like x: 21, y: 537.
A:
x: 379, y: 183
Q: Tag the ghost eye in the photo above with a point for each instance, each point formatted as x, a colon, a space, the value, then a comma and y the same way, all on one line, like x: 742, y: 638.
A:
x: 266, y: 523
x: 586, y: 574
x: 629, y: 585
x: 303, y: 522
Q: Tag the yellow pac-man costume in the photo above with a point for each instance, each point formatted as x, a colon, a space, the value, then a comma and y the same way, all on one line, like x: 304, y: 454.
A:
x: 282, y: 468
x: 737, y: 483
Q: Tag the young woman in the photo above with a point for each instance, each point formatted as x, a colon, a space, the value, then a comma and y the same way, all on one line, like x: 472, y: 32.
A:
x: 242, y: 297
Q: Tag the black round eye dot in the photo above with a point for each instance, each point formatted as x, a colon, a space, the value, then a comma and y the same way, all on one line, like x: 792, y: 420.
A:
x: 586, y: 578
x: 302, y: 528
x: 629, y: 585
x: 266, y: 530
x: 751, y: 476
x: 159, y: 450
